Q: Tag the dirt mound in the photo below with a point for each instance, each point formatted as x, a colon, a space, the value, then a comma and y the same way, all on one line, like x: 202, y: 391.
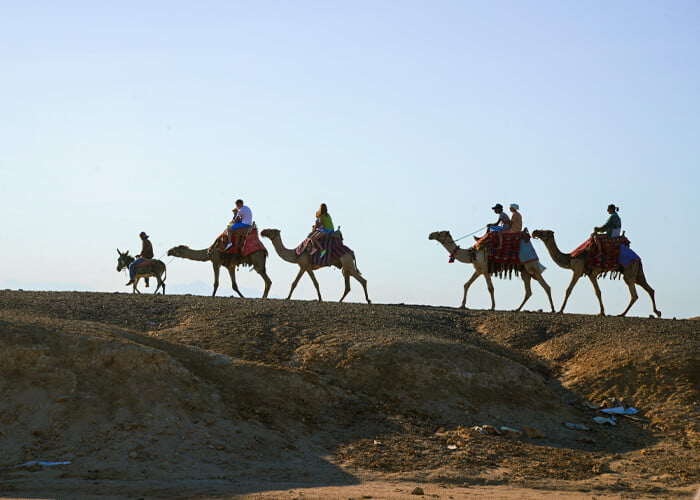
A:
x: 209, y: 396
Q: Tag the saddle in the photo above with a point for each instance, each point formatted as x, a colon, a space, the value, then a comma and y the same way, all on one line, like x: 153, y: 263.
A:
x: 603, y: 252
x: 245, y: 241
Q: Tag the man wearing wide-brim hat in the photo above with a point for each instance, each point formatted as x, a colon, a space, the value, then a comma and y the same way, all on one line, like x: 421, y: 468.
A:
x: 146, y: 253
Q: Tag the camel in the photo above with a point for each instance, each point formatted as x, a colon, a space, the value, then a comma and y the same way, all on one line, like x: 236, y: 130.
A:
x: 632, y: 274
x: 479, y: 259
x: 229, y: 261
x: 156, y: 268
x: 346, y: 262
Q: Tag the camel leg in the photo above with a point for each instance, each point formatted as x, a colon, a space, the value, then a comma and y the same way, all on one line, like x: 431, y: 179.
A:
x: 466, y: 288
x: 642, y: 281
x: 574, y: 280
x: 355, y: 274
x: 318, y: 289
x: 296, y: 280
x: 633, y: 293
x: 263, y: 274
x: 346, y: 277
x: 528, y: 289
x: 594, y: 281
x: 547, y: 289
x: 489, y: 284
x: 232, y: 273
x: 216, y: 278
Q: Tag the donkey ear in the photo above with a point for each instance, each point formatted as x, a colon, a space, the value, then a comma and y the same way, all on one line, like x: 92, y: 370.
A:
x: 118, y: 251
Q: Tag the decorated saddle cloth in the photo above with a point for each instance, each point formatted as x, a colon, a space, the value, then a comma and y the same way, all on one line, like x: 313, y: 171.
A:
x: 505, y: 260
x: 245, y: 241
x: 606, y: 253
x: 332, y: 243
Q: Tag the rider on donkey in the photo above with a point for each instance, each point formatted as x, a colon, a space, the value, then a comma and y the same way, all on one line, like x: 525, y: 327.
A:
x: 146, y: 253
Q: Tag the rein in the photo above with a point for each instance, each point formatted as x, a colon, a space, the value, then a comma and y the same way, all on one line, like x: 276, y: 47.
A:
x: 470, y: 234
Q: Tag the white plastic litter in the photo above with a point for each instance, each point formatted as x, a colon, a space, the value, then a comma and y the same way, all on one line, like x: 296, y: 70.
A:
x: 620, y: 410
x: 40, y: 462
x: 604, y: 420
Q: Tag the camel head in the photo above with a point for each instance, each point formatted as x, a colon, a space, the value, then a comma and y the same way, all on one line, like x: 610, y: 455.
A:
x: 543, y: 234
x: 177, y: 251
x: 124, y: 260
x: 440, y: 236
x: 270, y: 233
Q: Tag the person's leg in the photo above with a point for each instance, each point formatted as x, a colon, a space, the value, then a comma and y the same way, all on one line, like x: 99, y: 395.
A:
x: 132, y: 270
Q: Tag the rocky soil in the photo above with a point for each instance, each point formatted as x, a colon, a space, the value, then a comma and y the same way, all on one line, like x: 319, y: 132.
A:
x: 183, y: 396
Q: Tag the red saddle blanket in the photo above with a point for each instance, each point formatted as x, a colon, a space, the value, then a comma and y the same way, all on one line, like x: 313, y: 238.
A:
x: 509, y: 252
x: 506, y: 259
x: 603, y: 252
x: 245, y: 241
x: 333, y: 246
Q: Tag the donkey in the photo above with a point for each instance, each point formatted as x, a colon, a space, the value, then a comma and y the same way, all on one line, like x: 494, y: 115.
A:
x: 146, y: 269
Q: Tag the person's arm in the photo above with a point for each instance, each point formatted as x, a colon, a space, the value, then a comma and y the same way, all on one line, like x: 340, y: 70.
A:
x: 605, y: 227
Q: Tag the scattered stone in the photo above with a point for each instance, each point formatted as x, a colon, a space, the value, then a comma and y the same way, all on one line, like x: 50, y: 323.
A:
x: 586, y: 439
x: 418, y: 491
x: 576, y: 427
x: 451, y: 446
x: 601, y: 468
x: 510, y: 432
x: 587, y: 404
x: 532, y: 432
x: 490, y: 429
x: 480, y: 430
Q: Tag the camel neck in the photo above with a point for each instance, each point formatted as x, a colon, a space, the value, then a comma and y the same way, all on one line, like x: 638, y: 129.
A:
x: 198, y: 255
x: 560, y: 258
x: 461, y: 254
x: 282, y: 251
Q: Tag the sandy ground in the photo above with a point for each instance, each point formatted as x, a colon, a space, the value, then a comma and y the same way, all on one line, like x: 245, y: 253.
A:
x: 198, y: 397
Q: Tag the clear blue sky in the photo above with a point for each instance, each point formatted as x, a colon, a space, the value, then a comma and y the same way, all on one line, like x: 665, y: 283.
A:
x: 404, y: 117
